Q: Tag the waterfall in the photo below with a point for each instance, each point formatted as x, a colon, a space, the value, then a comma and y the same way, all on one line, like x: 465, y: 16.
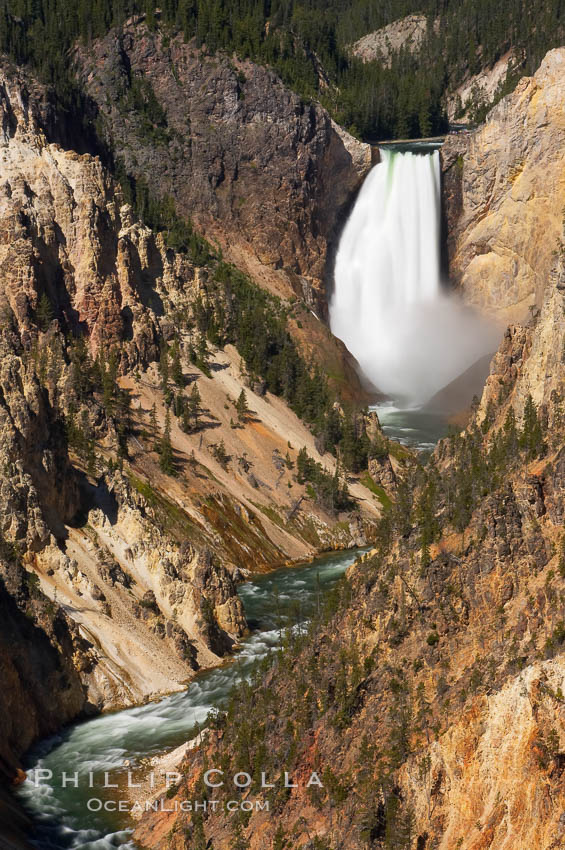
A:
x: 388, y: 306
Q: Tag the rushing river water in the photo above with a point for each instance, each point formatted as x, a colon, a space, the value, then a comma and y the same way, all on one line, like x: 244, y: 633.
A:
x: 414, y: 427
x: 108, y: 742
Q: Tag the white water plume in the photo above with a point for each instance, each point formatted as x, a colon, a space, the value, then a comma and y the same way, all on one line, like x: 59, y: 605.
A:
x: 409, y: 337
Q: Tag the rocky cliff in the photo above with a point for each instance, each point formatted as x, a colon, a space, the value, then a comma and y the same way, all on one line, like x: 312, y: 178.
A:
x: 147, y: 467
x: 65, y: 274
x: 405, y: 34
x: 505, y: 194
x: 39, y: 646
x: 430, y: 704
x: 245, y: 158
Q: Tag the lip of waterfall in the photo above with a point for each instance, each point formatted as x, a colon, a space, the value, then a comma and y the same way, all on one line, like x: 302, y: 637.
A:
x: 409, y: 336
x: 415, y: 146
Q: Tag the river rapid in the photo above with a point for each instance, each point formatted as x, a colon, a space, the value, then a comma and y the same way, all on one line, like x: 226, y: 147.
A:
x: 122, y: 740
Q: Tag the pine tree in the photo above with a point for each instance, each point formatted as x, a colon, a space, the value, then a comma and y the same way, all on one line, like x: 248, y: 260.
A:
x: 424, y: 119
x: 90, y: 457
x: 202, y: 355
x: 561, y: 564
x: 123, y: 428
x: 334, y: 496
x: 402, y: 509
x: 154, y: 429
x: 242, y: 407
x: 279, y: 842
x: 425, y: 550
x: 71, y: 430
x: 221, y: 454
x: 179, y: 405
x: 531, y: 438
x: 150, y: 15
x: 82, y: 369
x: 166, y: 448
x: 108, y: 375
x: 348, y: 442
x: 56, y: 365
x: 44, y: 312
x: 198, y: 837
x: 192, y: 409
x: 510, y: 445
x: 164, y: 368
x: 176, y: 367
x: 302, y: 465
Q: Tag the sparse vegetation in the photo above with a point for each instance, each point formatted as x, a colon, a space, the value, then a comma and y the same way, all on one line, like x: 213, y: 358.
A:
x: 329, y: 491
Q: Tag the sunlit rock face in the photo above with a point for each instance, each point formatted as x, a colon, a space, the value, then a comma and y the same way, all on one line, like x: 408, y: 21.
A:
x: 504, y: 193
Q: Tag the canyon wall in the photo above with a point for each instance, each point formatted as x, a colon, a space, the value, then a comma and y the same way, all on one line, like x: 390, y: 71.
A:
x: 504, y: 196
x: 405, y: 34
x: 252, y: 164
x: 431, y: 700
x: 431, y: 704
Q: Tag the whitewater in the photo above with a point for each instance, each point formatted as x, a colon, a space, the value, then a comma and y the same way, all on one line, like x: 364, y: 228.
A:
x: 409, y: 334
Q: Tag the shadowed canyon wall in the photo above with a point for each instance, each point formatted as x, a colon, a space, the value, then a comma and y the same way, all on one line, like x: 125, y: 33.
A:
x: 244, y: 157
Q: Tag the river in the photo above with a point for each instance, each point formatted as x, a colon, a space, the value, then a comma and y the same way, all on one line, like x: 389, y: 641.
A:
x: 114, y: 742
x: 412, y: 427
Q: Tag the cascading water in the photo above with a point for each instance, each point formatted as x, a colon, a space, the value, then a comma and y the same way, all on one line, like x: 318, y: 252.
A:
x: 409, y: 337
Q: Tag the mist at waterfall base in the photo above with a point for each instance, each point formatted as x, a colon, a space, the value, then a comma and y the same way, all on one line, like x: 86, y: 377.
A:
x: 408, y: 335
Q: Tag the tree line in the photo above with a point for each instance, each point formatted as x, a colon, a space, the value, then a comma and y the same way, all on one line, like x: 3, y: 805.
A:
x: 295, y: 36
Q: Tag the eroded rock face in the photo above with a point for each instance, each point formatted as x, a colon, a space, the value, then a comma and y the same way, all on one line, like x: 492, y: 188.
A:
x: 529, y: 361
x: 241, y: 155
x: 479, y: 88
x: 457, y: 720
x: 218, y: 586
x: 41, y: 685
x: 458, y: 716
x: 460, y: 691
x: 155, y: 615
x: 61, y: 235
x: 405, y: 34
x: 504, y: 196
x: 38, y: 491
x: 70, y: 248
